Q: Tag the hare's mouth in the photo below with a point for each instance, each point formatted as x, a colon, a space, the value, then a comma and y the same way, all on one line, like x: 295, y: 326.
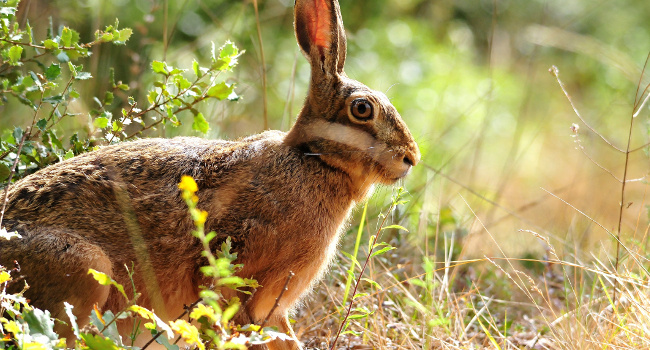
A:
x: 395, y: 166
x: 394, y: 174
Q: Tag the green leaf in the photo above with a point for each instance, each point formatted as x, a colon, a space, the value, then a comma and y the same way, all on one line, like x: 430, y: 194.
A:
x: 53, y: 71
x: 200, y: 124
x: 197, y: 69
x: 152, y: 96
x: 41, y: 124
x: 122, y: 36
x: 397, y: 227
x: 72, y: 68
x: 4, y: 171
x: 40, y: 323
x: 50, y: 44
x: 165, y: 342
x: 109, y: 328
x: 68, y: 155
x: 83, y: 76
x: 108, y: 98
x: 360, y: 295
x: 63, y: 57
x: 15, y: 52
x: 55, y: 140
x: 357, y: 316
x: 17, y: 134
x: 228, y: 50
x: 227, y: 59
x: 159, y: 67
x: 8, y: 11
x: 231, y: 281
x: 382, y: 251
x: 221, y: 91
x: 353, y: 259
x: 175, y: 71
x: 97, y: 342
x: 53, y: 100
x: 66, y: 37
x: 182, y: 83
x: 28, y: 29
x: 229, y: 312
x: 106, y: 280
x: 101, y: 122
x: 106, y: 37
x: 373, y: 283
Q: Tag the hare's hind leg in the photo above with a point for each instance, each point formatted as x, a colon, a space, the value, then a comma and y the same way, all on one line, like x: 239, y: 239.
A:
x: 55, y: 264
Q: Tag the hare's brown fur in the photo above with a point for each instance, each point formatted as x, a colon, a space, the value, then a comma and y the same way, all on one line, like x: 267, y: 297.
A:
x: 282, y: 198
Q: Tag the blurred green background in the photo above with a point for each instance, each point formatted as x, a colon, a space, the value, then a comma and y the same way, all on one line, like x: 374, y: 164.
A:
x: 470, y: 78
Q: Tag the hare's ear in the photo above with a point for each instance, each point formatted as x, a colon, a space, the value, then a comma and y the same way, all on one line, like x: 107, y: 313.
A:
x: 320, y: 33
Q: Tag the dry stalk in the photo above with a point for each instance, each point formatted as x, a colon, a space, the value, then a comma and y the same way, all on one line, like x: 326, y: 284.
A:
x: 277, y: 300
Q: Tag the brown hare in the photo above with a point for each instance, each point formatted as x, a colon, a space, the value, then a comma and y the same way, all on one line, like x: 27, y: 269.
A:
x: 282, y: 197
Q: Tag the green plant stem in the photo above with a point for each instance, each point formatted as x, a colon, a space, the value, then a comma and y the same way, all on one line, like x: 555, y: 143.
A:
x: 357, y: 243
x: 358, y: 280
x: 259, y: 37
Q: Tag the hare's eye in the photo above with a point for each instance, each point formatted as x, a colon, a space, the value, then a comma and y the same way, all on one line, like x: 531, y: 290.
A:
x: 361, y: 109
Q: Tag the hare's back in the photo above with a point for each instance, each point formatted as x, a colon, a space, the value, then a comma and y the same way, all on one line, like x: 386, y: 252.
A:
x: 96, y: 190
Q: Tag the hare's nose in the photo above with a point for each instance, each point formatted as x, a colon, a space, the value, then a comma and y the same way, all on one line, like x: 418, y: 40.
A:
x: 408, y: 160
x: 412, y: 156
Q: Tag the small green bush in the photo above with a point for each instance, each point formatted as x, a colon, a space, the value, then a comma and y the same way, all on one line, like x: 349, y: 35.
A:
x: 43, y: 75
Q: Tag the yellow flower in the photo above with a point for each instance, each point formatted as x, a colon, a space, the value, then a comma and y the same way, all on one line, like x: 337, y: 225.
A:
x: 34, y: 346
x: 11, y: 326
x: 4, y: 277
x: 189, y: 333
x: 188, y: 184
x: 201, y: 216
x: 144, y: 313
x: 204, y: 311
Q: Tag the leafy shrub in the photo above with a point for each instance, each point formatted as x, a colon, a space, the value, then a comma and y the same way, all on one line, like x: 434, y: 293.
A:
x: 44, y: 76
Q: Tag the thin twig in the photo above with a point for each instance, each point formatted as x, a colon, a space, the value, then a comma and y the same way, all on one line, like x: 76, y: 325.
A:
x: 156, y: 105
x: 617, y: 238
x: 277, y: 300
x: 625, y: 169
x: 556, y: 73
x: 638, y: 111
x: 640, y: 107
x: 358, y: 281
x: 119, y: 314
x: 185, y: 312
x: 65, y: 48
x: 581, y: 148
